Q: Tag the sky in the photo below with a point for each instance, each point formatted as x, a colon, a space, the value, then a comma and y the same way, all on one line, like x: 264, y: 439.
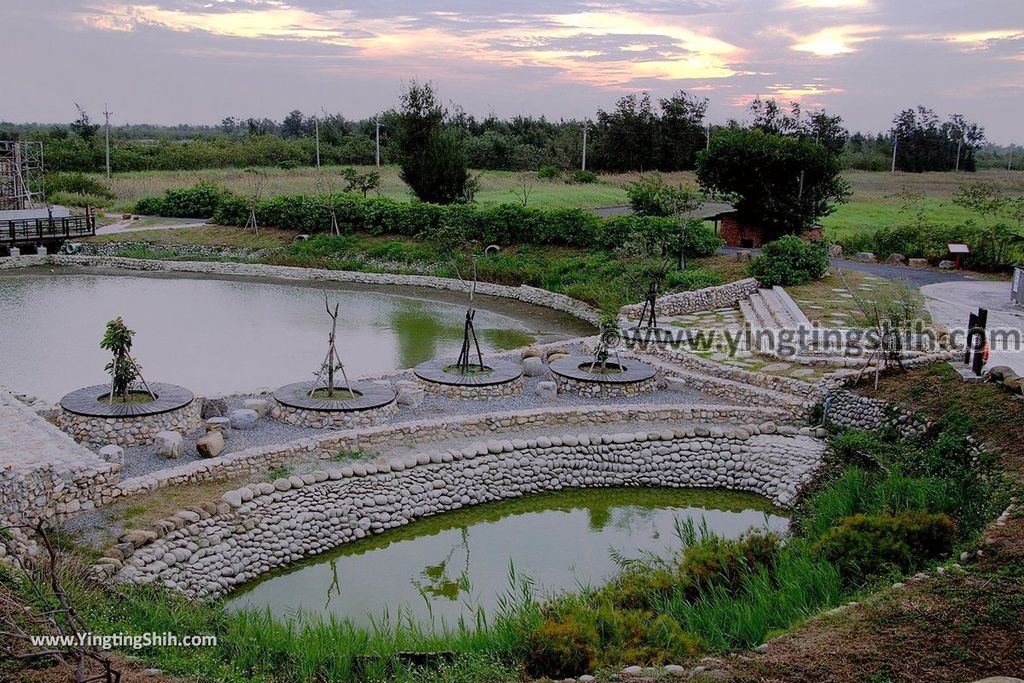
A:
x: 197, y: 61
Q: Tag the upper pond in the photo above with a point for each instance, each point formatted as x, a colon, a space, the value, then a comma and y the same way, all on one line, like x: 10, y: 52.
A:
x: 442, y: 568
x: 223, y: 336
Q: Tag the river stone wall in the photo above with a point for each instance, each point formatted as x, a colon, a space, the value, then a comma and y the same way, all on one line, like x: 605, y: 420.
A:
x: 709, y: 298
x: 374, y: 439
x: 473, y: 392
x: 128, y: 431
x: 270, y: 525
x: 847, y: 409
x: 523, y: 293
x: 604, y: 389
x: 201, y: 251
x: 339, y: 419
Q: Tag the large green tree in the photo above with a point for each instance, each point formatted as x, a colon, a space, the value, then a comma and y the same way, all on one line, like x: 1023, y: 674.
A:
x: 430, y: 153
x: 782, y: 182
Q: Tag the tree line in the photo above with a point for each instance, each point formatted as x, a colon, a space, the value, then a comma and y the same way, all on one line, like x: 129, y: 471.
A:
x: 637, y: 134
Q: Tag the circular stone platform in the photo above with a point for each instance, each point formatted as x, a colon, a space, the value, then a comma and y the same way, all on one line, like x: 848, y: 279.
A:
x: 374, y: 404
x: 504, y: 379
x: 88, y: 418
x: 647, y: 335
x: 571, y: 375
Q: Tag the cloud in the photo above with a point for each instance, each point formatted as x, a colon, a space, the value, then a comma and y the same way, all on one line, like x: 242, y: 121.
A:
x: 836, y: 40
x: 828, y: 4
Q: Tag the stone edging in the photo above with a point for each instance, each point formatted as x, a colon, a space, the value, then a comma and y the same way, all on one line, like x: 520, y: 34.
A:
x: 129, y: 430
x: 523, y: 293
x: 847, y: 409
x: 213, y: 547
x: 327, y: 446
x: 709, y: 298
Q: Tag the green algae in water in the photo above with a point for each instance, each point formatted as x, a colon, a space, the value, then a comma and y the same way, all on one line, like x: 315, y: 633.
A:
x: 443, y: 568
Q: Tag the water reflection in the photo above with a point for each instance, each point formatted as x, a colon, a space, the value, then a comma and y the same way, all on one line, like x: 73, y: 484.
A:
x: 442, y: 569
x: 216, y: 336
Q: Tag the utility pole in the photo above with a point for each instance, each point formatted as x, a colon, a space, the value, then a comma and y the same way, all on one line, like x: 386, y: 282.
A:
x: 895, y: 142
x: 586, y: 127
x: 1009, y: 164
x: 708, y: 136
x: 377, y: 120
x: 106, y: 117
x: 316, y: 125
x: 959, y: 145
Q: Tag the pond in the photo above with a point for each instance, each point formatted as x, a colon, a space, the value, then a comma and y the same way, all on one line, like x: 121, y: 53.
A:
x: 223, y: 336
x: 440, y: 569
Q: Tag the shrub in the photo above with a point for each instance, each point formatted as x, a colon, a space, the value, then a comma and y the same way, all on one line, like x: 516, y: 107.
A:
x: 584, y: 177
x: 718, y: 562
x: 549, y: 173
x: 690, y: 279
x: 76, y: 183
x: 199, y: 201
x: 790, y: 260
x: 866, y: 546
x: 561, y: 649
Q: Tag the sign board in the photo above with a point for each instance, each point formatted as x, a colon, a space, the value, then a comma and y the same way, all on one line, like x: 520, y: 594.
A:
x: 1017, y: 288
x: 956, y: 248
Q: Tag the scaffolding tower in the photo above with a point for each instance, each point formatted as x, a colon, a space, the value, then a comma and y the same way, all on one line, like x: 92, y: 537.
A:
x: 21, y: 175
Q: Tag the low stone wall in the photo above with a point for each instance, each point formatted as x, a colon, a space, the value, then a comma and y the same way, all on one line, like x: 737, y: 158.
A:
x: 473, y: 392
x: 43, y: 473
x: 128, y: 431
x: 709, y: 298
x: 178, y: 250
x: 847, y: 409
x: 327, y: 446
x: 202, y: 553
x: 324, y: 419
x: 525, y: 294
x: 604, y: 389
x: 764, y: 380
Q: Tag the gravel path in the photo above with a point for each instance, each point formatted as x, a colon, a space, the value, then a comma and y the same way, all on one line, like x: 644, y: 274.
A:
x: 142, y: 460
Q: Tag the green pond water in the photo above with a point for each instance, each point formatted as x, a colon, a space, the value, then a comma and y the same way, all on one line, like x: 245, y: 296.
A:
x: 443, y: 568
x: 221, y: 336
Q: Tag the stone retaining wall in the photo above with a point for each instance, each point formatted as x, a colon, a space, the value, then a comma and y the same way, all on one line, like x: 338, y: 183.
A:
x: 327, y: 446
x: 128, y: 431
x: 473, y: 392
x: 847, y: 409
x: 604, y: 389
x: 709, y: 298
x: 270, y: 525
x: 324, y: 419
x: 525, y: 294
x: 178, y: 250
x: 43, y: 473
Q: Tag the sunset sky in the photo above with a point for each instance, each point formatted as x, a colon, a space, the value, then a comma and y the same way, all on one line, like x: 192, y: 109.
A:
x: 171, y: 61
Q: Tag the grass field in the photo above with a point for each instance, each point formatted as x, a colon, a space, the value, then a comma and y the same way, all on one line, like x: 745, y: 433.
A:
x: 874, y: 203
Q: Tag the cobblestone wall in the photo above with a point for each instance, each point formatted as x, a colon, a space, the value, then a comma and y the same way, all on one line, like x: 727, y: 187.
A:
x: 270, y: 525
x: 706, y: 299
x: 128, y: 431
x: 847, y: 409
x: 324, y: 419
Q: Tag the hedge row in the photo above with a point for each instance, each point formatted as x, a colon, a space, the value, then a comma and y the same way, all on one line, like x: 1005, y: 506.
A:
x: 503, y: 224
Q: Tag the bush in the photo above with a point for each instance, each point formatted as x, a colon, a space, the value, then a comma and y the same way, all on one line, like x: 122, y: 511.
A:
x: 584, y: 177
x: 790, y: 260
x: 866, y: 546
x: 199, y: 201
x: 690, y: 279
x: 76, y: 183
x: 549, y: 173
x: 724, y: 563
x: 562, y: 649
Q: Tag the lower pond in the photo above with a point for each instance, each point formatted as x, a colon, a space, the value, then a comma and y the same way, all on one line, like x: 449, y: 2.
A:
x: 439, y: 569
x: 223, y: 336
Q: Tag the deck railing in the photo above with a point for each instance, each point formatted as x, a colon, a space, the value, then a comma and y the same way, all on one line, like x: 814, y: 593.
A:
x: 42, y: 229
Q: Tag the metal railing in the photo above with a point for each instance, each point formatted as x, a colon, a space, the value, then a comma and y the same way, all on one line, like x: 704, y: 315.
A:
x: 42, y: 229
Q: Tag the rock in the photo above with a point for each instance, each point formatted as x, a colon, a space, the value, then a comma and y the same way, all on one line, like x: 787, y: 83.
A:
x: 259, y: 405
x: 1014, y: 383
x: 802, y: 372
x: 547, y: 391
x: 556, y: 351
x: 946, y: 264
x: 999, y: 372
x: 898, y: 259
x: 835, y: 251
x: 775, y: 367
x: 632, y: 671
x: 533, y: 366
x: 282, y: 484
x: 218, y: 424
x: 917, y: 262
x: 214, y: 406
x: 409, y: 393
x: 768, y: 428
x: 673, y: 383
x: 243, y: 419
x: 675, y: 670
x: 211, y: 445
x: 761, y: 649
x: 999, y: 679
x: 865, y: 256
x: 532, y: 352
x: 113, y: 454
x: 168, y: 444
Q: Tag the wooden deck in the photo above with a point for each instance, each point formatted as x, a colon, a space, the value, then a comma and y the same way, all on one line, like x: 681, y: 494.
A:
x: 34, y: 230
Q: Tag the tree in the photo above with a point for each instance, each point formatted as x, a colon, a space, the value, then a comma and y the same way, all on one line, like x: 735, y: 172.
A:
x: 361, y: 182
x: 432, y: 160
x: 123, y: 369
x: 682, y: 130
x: 83, y: 126
x: 627, y: 138
x: 780, y: 182
x: 292, y: 126
x: 924, y: 143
